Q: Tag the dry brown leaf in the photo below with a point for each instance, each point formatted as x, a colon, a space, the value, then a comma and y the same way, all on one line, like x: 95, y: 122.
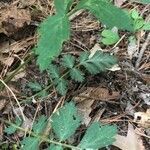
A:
x: 143, y: 118
x: 13, y: 18
x: 2, y: 103
x: 130, y: 142
x: 9, y: 61
x: 97, y: 94
x: 119, y: 2
x: 84, y: 109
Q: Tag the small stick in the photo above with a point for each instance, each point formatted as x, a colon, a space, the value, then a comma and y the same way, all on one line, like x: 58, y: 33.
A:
x: 142, y: 51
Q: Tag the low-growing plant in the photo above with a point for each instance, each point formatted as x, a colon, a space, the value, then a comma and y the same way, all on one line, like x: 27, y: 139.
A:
x: 109, y: 37
x: 64, y: 124
x: 55, y: 30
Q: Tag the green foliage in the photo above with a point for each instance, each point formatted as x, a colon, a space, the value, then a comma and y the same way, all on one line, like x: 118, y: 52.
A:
x: 109, y: 37
x: 61, y: 86
x: 98, y: 62
x: 35, y: 86
x: 33, y: 142
x: 77, y: 75
x: 146, y: 26
x: 65, y: 121
x: 30, y: 143
x: 138, y: 21
x: 95, y: 64
x: 53, y: 32
x: 40, y: 124
x: 55, y: 147
x: 98, y: 136
x: 68, y: 61
x: 11, y: 129
x: 62, y: 6
x: 107, y: 13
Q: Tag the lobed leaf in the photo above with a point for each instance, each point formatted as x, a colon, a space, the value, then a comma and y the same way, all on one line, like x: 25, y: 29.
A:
x: 109, y: 37
x: 99, y: 62
x: 68, y: 61
x: 35, y: 86
x: 76, y: 75
x: 65, y: 121
x: 107, y: 13
x: 62, y: 6
x: 98, y: 136
x: 30, y: 143
x: 53, y: 32
x: 11, y: 129
x: 40, y: 124
x: 53, y: 71
x: 61, y: 86
x: 54, y: 147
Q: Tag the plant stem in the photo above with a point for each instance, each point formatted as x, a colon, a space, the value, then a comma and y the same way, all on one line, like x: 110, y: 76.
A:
x: 43, y: 138
x: 7, y: 79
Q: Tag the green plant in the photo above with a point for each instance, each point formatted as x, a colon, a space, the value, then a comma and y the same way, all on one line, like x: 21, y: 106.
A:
x: 138, y: 21
x: 55, y: 30
x: 109, y: 37
x: 75, y: 68
x: 64, y: 123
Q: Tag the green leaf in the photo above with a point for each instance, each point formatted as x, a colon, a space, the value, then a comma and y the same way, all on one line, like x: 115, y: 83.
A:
x: 141, y: 1
x: 76, y: 75
x: 55, y: 147
x: 109, y: 37
x: 134, y: 14
x: 68, y: 61
x: 98, y: 136
x: 53, y: 32
x: 53, y: 71
x: 11, y: 129
x: 65, y: 121
x: 138, y: 24
x: 99, y: 62
x: 146, y: 26
x: 107, y: 13
x: 84, y: 56
x: 62, y: 6
x: 61, y: 86
x: 30, y: 143
x: 40, y: 124
x: 35, y: 86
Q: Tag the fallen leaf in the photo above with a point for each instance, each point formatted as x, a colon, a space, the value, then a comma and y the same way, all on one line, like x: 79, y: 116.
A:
x: 9, y: 61
x: 12, y: 22
x: 130, y: 142
x: 143, y: 118
x: 84, y: 109
x: 2, y: 103
x: 132, y: 47
x: 119, y: 2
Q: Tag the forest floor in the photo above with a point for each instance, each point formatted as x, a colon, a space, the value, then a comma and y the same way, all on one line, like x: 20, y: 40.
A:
x: 119, y: 96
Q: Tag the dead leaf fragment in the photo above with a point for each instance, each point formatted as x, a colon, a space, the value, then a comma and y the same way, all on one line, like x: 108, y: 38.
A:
x: 13, y: 18
x: 97, y: 93
x: 119, y: 2
x: 130, y: 142
x: 84, y: 109
x: 143, y: 118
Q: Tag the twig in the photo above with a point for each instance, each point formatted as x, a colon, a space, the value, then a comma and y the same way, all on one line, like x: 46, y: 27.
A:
x: 142, y: 51
x: 14, y: 98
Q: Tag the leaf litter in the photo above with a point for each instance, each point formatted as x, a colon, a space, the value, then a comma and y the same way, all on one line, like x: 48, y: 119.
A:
x: 106, y: 90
